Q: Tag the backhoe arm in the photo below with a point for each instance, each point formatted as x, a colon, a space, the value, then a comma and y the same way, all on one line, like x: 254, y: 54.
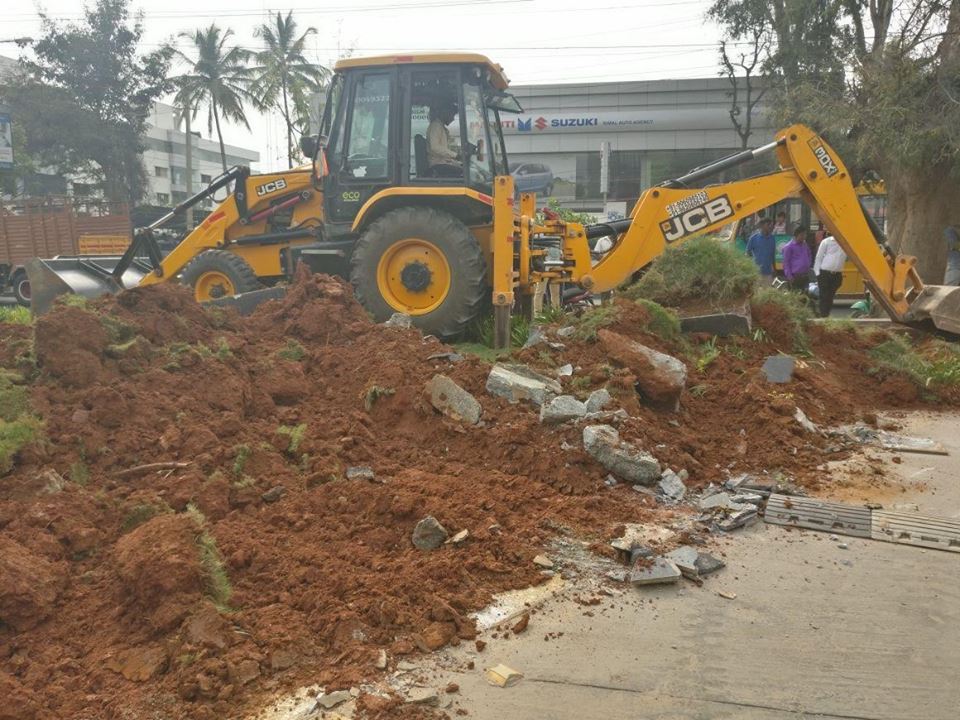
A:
x: 679, y: 209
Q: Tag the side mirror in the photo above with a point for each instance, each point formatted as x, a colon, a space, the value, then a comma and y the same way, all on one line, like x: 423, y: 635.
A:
x: 308, y: 145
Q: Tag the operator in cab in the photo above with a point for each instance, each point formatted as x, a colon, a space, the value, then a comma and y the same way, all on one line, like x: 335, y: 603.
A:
x: 443, y: 156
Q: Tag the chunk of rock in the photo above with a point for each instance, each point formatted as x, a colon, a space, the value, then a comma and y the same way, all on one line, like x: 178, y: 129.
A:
x: 707, y: 563
x: 399, y: 320
x: 722, y: 324
x: 660, y: 378
x: 719, y: 500
x: 273, y: 494
x: 779, y: 368
x: 741, y: 518
x: 429, y: 534
x: 671, y: 486
x: 534, y: 337
x: 685, y: 558
x: 806, y: 423
x: 361, y: 472
x: 621, y: 458
x: 566, y: 331
x: 561, y: 409
x: 598, y: 400
x: 381, y: 663
x: 329, y: 700
x: 659, y: 572
x: 518, y: 382
x: 452, y: 400
x: 543, y: 561
x: 565, y: 370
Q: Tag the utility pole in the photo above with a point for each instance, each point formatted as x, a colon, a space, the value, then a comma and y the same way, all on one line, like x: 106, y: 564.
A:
x: 189, y: 153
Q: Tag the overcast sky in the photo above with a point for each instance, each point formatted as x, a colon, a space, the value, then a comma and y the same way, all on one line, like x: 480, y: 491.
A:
x: 537, y: 41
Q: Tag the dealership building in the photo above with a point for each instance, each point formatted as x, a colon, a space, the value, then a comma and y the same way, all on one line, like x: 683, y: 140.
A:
x: 656, y: 130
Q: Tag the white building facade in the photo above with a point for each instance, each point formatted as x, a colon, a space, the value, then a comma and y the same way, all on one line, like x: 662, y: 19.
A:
x: 165, y: 159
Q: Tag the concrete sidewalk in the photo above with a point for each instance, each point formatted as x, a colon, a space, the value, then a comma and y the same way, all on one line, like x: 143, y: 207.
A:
x: 815, y: 631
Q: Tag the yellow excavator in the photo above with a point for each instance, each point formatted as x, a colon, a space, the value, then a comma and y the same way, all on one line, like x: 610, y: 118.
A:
x: 409, y: 195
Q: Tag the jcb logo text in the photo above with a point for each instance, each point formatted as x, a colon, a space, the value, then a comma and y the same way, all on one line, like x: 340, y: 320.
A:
x: 823, y: 157
x: 271, y: 187
x: 696, y: 218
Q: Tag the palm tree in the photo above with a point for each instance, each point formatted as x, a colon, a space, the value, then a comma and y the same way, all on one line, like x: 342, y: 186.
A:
x: 284, y: 76
x: 218, y: 78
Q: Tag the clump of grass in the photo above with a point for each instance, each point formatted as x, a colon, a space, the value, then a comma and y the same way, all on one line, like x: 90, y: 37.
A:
x: 140, y: 513
x: 118, y: 331
x: 79, y: 473
x: 699, y: 390
x: 72, y: 300
x: 222, y: 349
x: 296, y: 433
x: 663, y: 322
x: 292, y: 351
x: 240, y: 460
x: 794, y: 307
x: 17, y: 315
x: 219, y: 588
x: 593, y: 320
x: 551, y: 315
x: 702, y: 270
x: 710, y: 352
x: 16, y: 435
x: 14, y: 398
x: 372, y: 394
x: 935, y: 366
x: 481, y: 330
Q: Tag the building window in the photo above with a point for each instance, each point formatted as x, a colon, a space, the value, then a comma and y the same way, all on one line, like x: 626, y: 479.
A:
x: 163, y: 198
x: 205, y: 179
x: 161, y: 172
x: 179, y: 176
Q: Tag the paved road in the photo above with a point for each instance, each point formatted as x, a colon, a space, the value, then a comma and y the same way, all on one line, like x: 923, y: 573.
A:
x: 815, y: 631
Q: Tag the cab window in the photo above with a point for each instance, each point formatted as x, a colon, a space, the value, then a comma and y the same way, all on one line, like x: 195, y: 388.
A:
x: 434, y: 140
x: 368, y: 139
x: 477, y: 145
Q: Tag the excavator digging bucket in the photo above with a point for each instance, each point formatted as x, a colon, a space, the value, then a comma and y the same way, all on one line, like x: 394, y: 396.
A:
x: 88, y: 276
x: 939, y: 304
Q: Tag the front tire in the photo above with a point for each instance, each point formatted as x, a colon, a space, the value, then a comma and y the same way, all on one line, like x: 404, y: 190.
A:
x: 424, y: 263
x: 21, y: 288
x: 214, y: 274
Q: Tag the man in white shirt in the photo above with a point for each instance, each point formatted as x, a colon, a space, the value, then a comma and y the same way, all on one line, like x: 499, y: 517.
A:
x: 828, y: 267
x: 443, y: 157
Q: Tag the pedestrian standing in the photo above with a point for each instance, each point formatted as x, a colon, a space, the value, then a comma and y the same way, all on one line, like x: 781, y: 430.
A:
x: 828, y: 268
x: 797, y: 260
x: 762, y: 247
x: 780, y: 226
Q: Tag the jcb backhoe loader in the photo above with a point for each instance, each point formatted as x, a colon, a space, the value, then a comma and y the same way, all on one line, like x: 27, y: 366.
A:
x: 423, y: 216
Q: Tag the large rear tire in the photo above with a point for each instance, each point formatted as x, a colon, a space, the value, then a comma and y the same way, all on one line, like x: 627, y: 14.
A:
x: 424, y: 263
x: 214, y: 274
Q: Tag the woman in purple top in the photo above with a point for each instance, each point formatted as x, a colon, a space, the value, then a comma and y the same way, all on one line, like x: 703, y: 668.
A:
x: 797, y: 261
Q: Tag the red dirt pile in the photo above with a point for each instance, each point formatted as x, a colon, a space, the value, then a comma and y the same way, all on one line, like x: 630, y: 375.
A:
x: 248, y: 562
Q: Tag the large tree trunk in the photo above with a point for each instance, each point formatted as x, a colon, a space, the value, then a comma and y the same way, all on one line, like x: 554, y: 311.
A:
x: 921, y: 203
x: 223, y: 152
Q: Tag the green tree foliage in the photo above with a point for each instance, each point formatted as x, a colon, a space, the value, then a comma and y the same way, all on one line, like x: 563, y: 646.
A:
x: 84, y: 98
x: 284, y: 78
x: 882, y: 81
x: 218, y: 78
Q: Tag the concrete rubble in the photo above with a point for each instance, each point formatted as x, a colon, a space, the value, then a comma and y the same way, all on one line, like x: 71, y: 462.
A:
x: 399, y: 320
x: 330, y: 700
x: 598, y: 400
x: 518, y: 382
x: 422, y: 696
x: 429, y: 534
x: 671, y: 486
x: 659, y: 572
x: 561, y: 409
x: 502, y: 676
x: 660, y: 378
x: 361, y: 472
x: 779, y: 368
x: 452, y: 400
x: 624, y: 460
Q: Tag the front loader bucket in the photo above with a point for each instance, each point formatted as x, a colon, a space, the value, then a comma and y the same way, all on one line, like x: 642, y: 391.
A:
x: 941, y: 305
x: 88, y: 276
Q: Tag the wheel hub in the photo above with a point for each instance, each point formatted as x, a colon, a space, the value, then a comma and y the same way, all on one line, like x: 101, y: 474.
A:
x: 416, y: 276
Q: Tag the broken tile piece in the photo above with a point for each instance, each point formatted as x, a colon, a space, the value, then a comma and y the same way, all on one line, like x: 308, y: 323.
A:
x: 502, y: 676
x: 661, y: 571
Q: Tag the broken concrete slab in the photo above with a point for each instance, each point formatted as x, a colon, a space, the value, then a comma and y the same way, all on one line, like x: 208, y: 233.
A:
x: 330, y: 700
x: 452, y: 400
x: 422, y: 696
x: 661, y: 571
x: 748, y: 498
x: 671, y: 486
x: 660, y: 378
x: 621, y: 458
x: 518, y: 382
x: 399, y: 320
x: 719, y: 500
x: 740, y: 518
x: 722, y: 324
x: 685, y: 558
x: 707, y: 564
x: 502, y: 676
x: 429, y: 534
x: 562, y: 409
x: 779, y: 368
x: 598, y: 400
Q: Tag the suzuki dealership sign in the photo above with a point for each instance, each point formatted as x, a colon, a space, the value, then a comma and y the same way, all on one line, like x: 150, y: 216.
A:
x: 618, y: 120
